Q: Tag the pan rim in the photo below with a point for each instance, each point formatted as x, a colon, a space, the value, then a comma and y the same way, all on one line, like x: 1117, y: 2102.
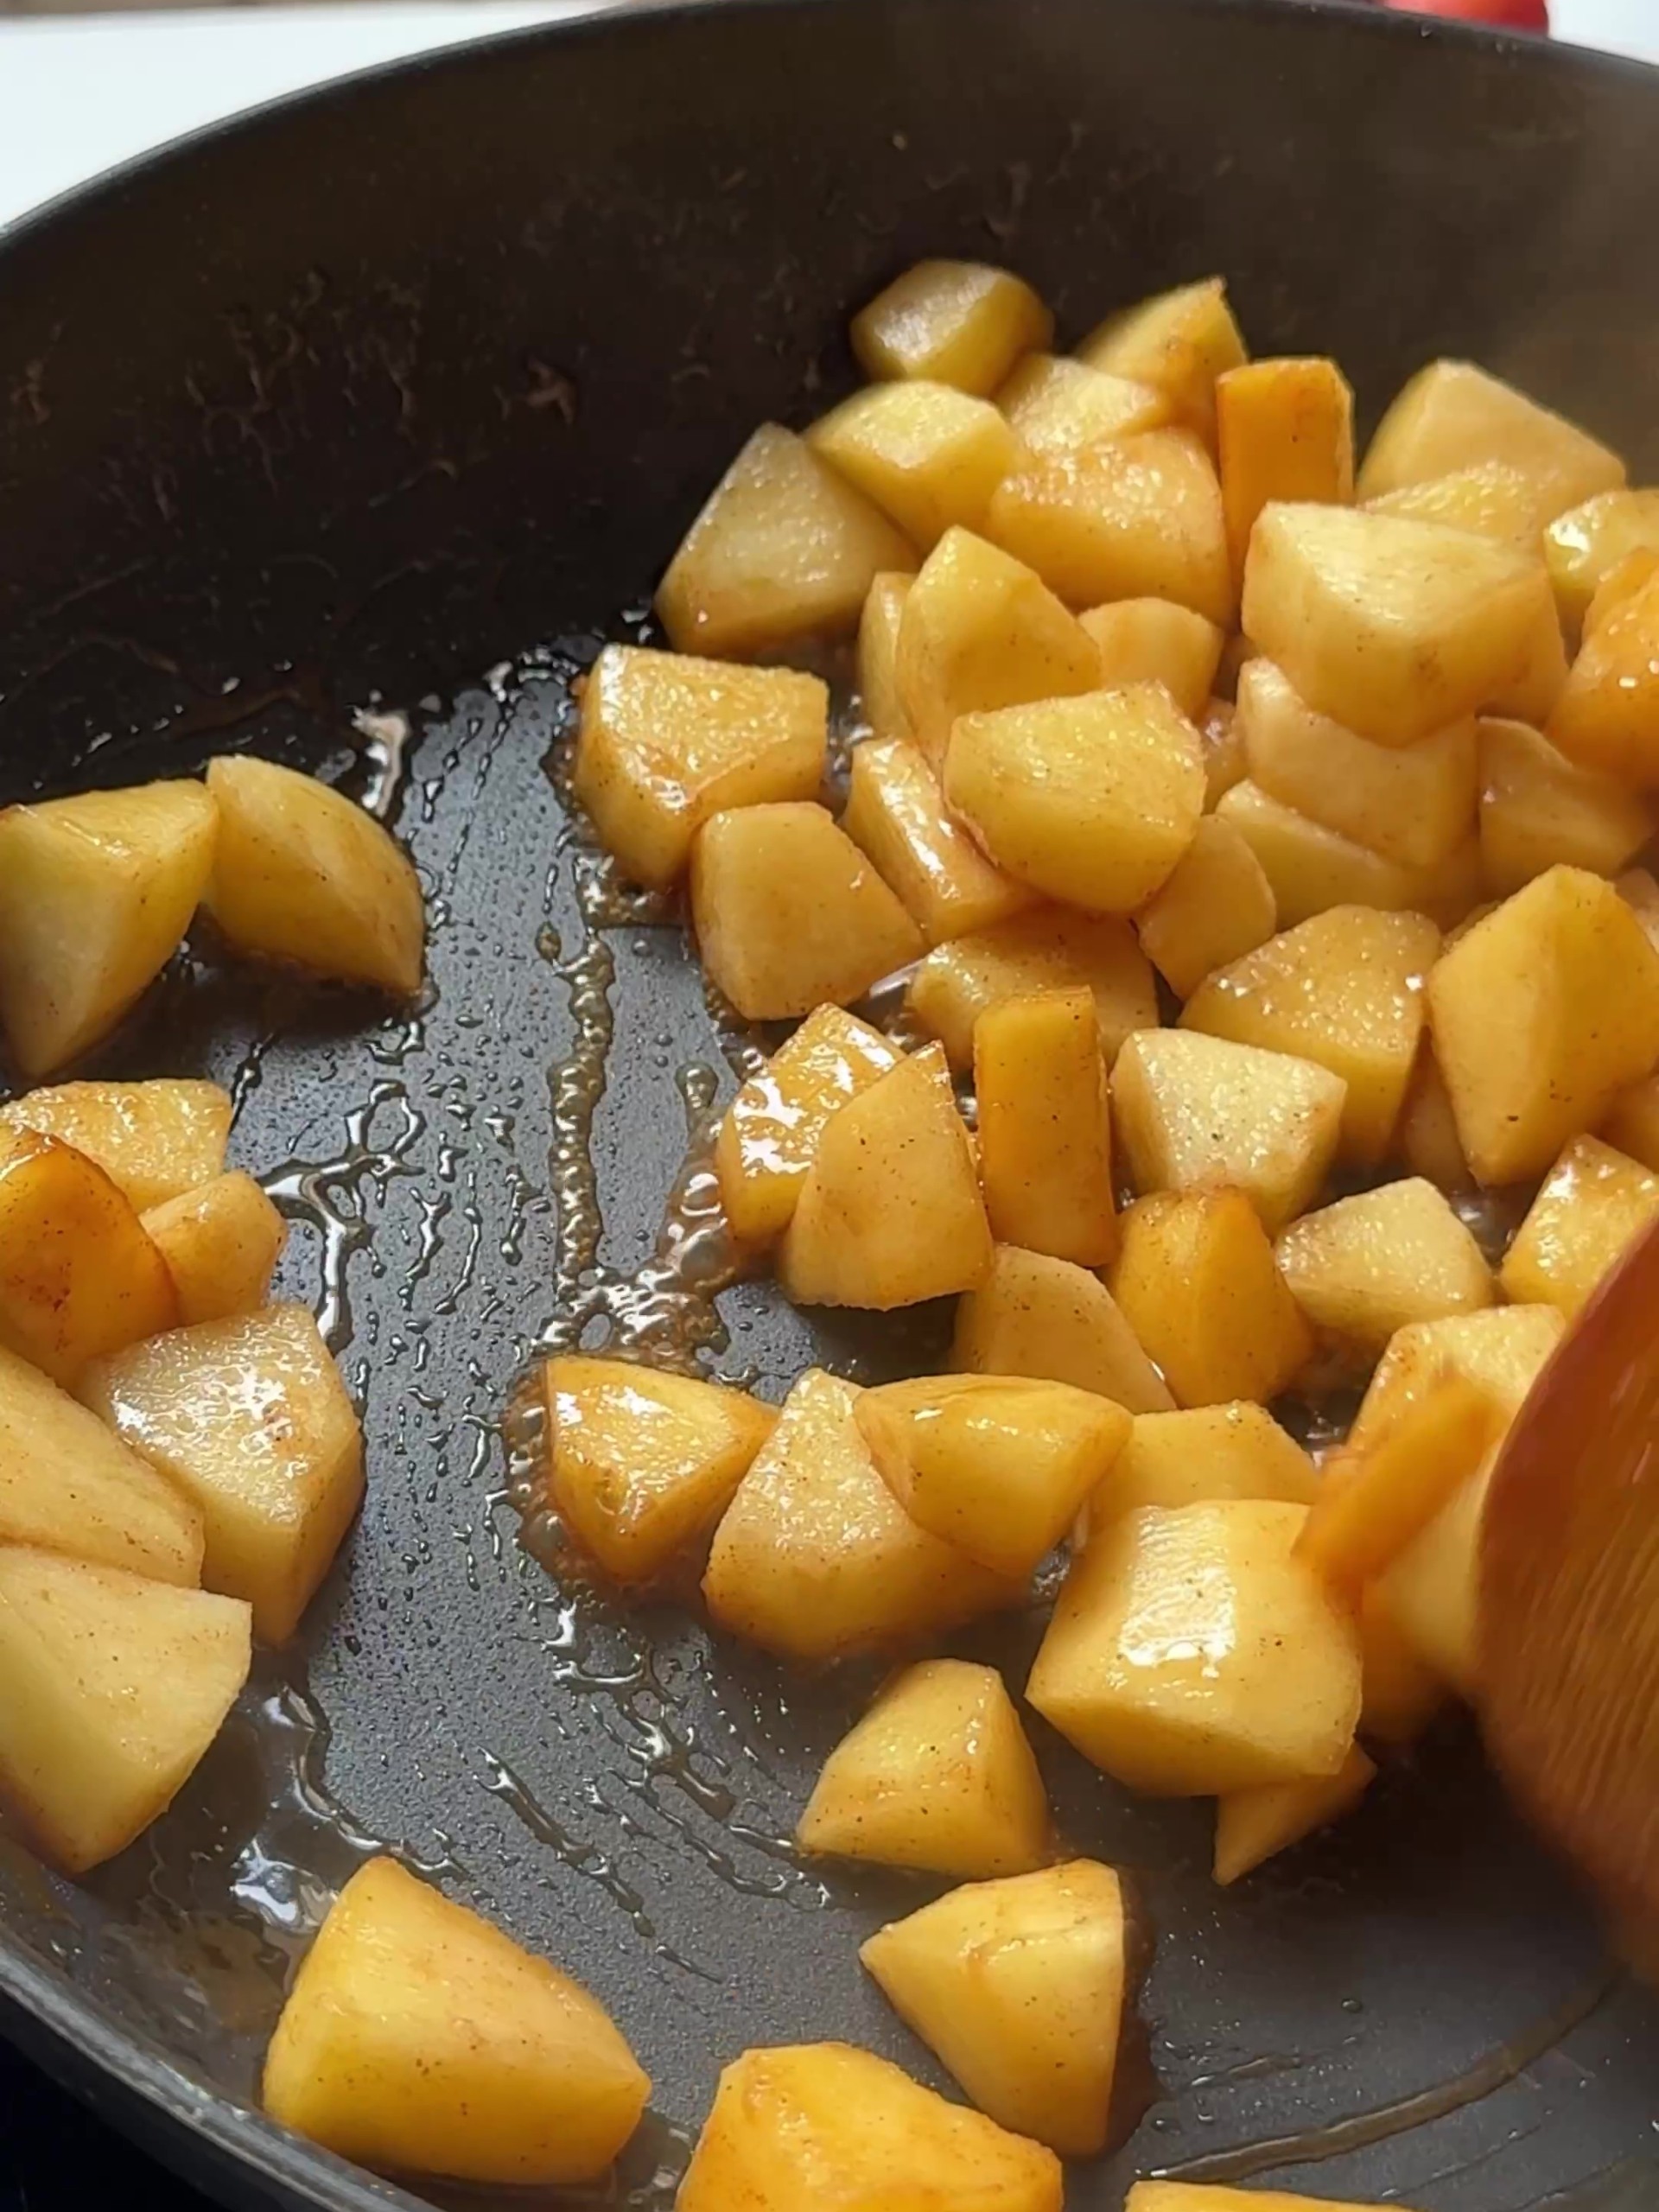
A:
x: 67, y: 2031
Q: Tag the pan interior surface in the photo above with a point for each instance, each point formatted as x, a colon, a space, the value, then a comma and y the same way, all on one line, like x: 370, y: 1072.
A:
x: 416, y: 382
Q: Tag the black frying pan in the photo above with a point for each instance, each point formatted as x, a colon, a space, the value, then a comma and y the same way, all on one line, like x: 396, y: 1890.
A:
x: 400, y: 393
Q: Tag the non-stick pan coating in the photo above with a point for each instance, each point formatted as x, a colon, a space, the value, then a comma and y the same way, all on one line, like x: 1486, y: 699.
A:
x: 396, y: 398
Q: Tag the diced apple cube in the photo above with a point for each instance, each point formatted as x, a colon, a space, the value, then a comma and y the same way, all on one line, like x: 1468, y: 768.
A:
x: 1452, y: 415
x: 1018, y: 1987
x: 1191, y: 1653
x: 998, y: 1466
x: 1204, y: 1455
x: 1377, y: 1496
x: 1393, y: 628
x: 784, y: 550
x: 1594, y: 1203
x: 667, y: 740
x: 251, y: 1420
x: 1608, y: 716
x: 1056, y: 405
x: 824, y: 2124
x: 154, y: 1140
x: 937, y: 1775
x: 957, y: 322
x: 418, y: 2037
x: 1412, y: 804
x: 113, y: 1687
x: 1311, y: 869
x: 1584, y: 545
x: 1284, y: 430
x: 1216, y: 906
x: 1135, y: 517
x: 1155, y: 641
x: 1531, y: 696
x: 221, y: 1243
x: 929, y: 455
x: 980, y: 630
x: 1427, y: 1138
x: 890, y: 1213
x: 896, y: 814
x: 1254, y: 1825
x: 878, y: 656
x: 642, y: 1465
x: 1195, y: 1279
x: 1368, y: 1265
x: 67, y: 1485
x: 1045, y: 1125
x: 1543, y: 1013
x: 1344, y: 989
x: 815, y: 1559
x: 789, y: 914
x: 1048, y: 949
x: 1054, y: 1321
x: 303, y: 875
x: 1538, y: 808
x: 770, y: 1132
x: 1488, y: 497
x: 96, y: 893
x: 1092, y: 800
x: 1194, y: 1112
x: 1179, y: 342
x: 79, y: 1276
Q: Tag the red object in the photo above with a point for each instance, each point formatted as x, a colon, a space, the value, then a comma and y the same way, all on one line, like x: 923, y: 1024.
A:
x: 1509, y: 15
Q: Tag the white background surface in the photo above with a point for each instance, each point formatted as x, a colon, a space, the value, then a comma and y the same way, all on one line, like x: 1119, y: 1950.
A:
x: 78, y: 93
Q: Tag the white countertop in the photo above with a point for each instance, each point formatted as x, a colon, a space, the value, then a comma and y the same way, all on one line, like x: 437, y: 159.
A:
x: 80, y: 93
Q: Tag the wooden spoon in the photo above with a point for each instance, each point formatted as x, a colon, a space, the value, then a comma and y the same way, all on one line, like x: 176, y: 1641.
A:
x: 1569, y: 1596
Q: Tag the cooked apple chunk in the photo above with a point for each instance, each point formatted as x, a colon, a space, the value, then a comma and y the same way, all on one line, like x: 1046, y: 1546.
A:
x: 1311, y: 868
x: 114, y: 1686
x: 96, y: 893
x: 789, y: 913
x: 1426, y: 1138
x: 155, y: 1140
x: 878, y: 657
x: 1452, y: 415
x: 1057, y: 405
x: 1018, y: 1987
x: 1584, y: 545
x: 929, y: 456
x: 221, y: 1243
x: 939, y: 1775
x: 815, y: 1559
x: 1045, y: 1125
x: 1179, y: 342
x: 998, y: 1466
x: 897, y: 814
x: 1253, y: 1825
x: 1155, y: 641
x: 1216, y: 906
x: 770, y: 1132
x: 1049, y: 949
x: 79, y: 1276
x: 1345, y: 989
x: 251, y: 1420
x: 1594, y: 1203
x: 980, y: 630
x: 303, y: 876
x: 417, y: 2038
x: 889, y: 1213
x: 667, y: 741
x: 826, y: 2126
x: 640, y: 1464
x: 1368, y: 1265
x: 1191, y: 1653
x: 1193, y: 1112
x: 67, y: 1485
x: 1196, y: 1281
x: 1377, y: 1497
x: 958, y: 322
x: 1489, y: 498
x: 1203, y: 1455
x: 784, y: 550
x: 1607, y: 714
x: 1284, y: 430
x: 1393, y: 628
x: 1543, y: 1014
x: 1092, y: 800
x: 1135, y: 517
x: 1538, y: 808
x: 1056, y: 1322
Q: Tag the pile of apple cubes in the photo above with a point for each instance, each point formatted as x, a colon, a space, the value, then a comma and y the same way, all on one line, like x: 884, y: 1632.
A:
x: 179, y: 1457
x: 1382, y: 885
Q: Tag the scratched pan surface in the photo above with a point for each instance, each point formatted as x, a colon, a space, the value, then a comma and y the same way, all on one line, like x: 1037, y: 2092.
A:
x: 342, y: 435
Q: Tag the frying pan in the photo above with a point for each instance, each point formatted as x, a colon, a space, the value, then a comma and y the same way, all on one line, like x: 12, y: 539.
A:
x: 343, y: 433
